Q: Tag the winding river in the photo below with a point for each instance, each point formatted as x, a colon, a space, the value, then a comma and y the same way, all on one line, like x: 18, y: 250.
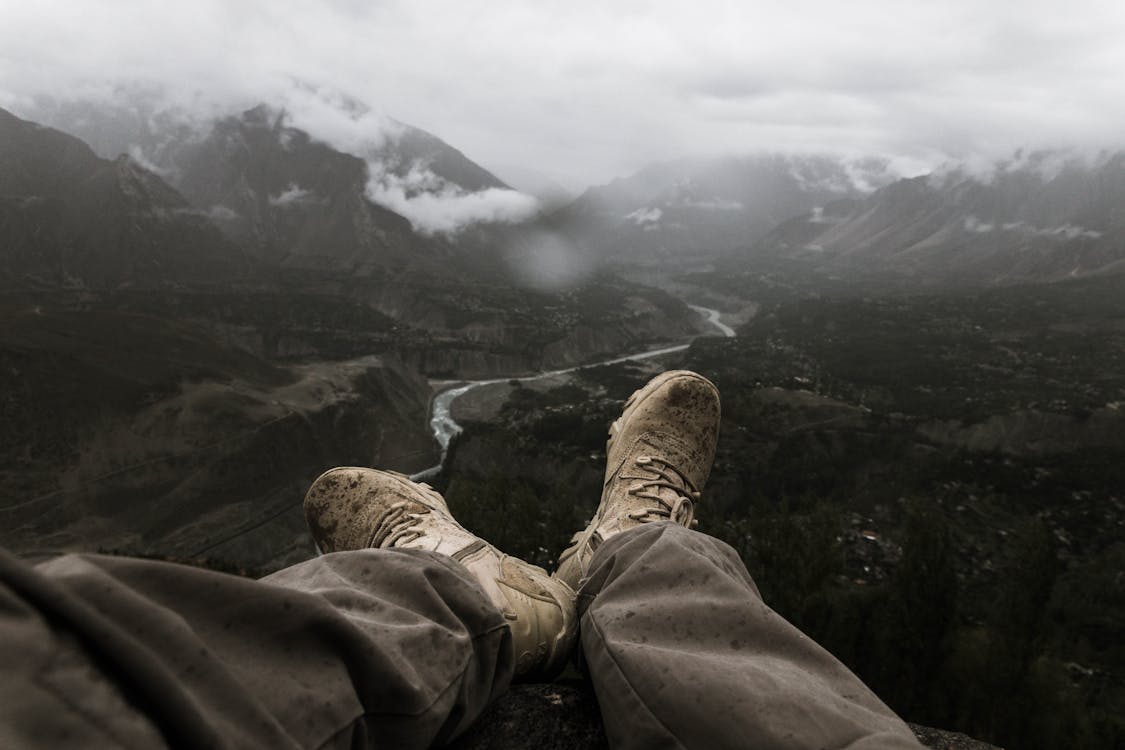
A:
x: 445, y: 427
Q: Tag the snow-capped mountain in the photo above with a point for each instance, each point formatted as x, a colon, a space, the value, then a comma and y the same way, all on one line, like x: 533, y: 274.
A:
x: 706, y: 206
x: 1037, y: 217
x: 314, y: 178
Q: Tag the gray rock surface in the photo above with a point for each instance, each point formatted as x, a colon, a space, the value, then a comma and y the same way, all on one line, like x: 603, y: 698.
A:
x: 548, y: 716
x: 564, y: 716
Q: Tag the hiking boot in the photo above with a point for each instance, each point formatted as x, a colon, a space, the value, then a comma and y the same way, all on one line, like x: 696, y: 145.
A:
x: 658, y: 458
x: 351, y: 508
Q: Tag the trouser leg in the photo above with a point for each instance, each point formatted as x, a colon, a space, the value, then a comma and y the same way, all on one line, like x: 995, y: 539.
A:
x: 683, y: 653
x: 382, y: 648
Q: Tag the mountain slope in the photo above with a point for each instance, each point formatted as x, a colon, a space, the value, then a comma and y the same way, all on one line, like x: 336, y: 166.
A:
x: 70, y: 218
x: 314, y: 180
x: 290, y: 200
x: 412, y: 147
x: 1041, y: 218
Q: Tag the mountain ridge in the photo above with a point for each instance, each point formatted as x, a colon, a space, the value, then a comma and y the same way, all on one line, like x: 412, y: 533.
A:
x: 1021, y: 223
x: 73, y: 219
x: 705, y: 206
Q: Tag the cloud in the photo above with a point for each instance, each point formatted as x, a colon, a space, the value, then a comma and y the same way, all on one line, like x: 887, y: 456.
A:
x: 294, y: 194
x: 1065, y: 231
x: 975, y: 225
x: 432, y: 204
x: 1045, y: 164
x: 818, y: 217
x: 221, y: 213
x: 586, y: 91
x: 138, y: 155
x: 330, y: 116
x: 435, y: 206
x: 643, y: 216
x: 715, y: 204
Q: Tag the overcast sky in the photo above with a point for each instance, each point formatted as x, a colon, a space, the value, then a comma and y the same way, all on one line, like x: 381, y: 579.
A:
x: 585, y: 91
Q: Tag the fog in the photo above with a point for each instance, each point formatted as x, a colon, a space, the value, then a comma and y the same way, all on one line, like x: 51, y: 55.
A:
x: 583, y: 92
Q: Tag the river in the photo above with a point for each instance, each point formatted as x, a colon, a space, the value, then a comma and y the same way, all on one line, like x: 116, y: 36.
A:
x: 441, y: 408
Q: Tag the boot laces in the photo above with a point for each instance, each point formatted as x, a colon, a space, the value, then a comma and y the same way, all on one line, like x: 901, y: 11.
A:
x: 677, y: 506
x: 397, y: 526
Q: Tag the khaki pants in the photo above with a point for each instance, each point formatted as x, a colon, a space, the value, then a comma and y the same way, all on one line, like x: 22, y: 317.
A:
x: 401, y: 649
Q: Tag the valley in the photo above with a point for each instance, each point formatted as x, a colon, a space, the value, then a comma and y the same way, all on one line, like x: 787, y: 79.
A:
x: 480, y: 400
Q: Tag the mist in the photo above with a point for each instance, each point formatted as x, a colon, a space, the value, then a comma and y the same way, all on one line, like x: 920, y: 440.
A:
x: 584, y: 93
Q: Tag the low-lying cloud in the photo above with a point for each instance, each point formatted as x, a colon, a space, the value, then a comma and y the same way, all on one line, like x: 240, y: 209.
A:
x: 644, y: 216
x: 433, y: 205
x: 293, y: 195
x: 1065, y: 231
x: 332, y: 117
x: 714, y: 204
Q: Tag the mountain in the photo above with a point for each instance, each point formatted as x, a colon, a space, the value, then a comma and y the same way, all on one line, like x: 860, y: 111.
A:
x: 305, y: 211
x: 702, y: 206
x: 290, y: 200
x: 389, y: 215
x: 386, y: 203
x: 71, y: 219
x: 143, y: 123
x: 409, y: 148
x: 1043, y: 216
x: 129, y: 430
x: 313, y: 180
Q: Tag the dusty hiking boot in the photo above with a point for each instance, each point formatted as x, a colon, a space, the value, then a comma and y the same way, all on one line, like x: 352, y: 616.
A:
x: 658, y: 458
x: 352, y: 508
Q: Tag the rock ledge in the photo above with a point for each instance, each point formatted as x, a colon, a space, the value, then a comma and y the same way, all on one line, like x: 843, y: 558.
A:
x: 564, y: 716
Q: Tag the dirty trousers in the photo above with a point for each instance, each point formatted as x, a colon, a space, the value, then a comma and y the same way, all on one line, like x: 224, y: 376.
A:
x: 401, y: 649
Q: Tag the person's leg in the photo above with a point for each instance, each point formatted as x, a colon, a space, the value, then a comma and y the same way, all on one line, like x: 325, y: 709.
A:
x: 682, y: 652
x: 680, y: 648
x: 399, y: 639
x: 399, y: 648
x: 355, y: 508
